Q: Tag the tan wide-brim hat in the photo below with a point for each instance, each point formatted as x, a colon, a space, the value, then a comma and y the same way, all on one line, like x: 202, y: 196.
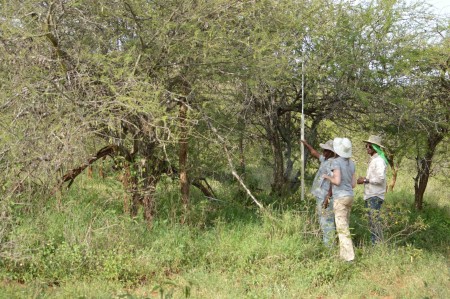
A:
x: 342, y: 147
x: 374, y: 139
x: 327, y: 145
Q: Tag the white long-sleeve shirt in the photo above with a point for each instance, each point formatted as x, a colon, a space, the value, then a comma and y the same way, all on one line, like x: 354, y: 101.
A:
x: 376, y: 174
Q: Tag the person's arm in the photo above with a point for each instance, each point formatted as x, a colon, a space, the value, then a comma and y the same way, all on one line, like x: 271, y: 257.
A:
x: 313, y: 152
x: 326, y: 201
x: 336, y: 178
x: 375, y: 173
x: 353, y: 181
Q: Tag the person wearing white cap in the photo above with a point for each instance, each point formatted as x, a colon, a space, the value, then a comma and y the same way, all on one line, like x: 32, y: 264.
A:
x: 375, y: 186
x: 343, y: 181
x: 321, y: 188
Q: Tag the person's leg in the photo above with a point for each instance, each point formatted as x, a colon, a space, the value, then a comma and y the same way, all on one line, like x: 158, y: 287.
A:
x: 320, y: 211
x: 327, y: 224
x: 342, y: 207
x: 373, y: 205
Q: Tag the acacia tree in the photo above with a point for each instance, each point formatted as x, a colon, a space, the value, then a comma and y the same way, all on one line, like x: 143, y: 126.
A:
x: 319, y: 36
x: 428, y: 117
x: 143, y: 80
x: 116, y: 73
x: 377, y: 68
x: 406, y: 87
x: 92, y: 62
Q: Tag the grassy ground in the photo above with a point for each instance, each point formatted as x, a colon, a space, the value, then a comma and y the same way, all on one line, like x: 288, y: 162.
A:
x: 84, y: 246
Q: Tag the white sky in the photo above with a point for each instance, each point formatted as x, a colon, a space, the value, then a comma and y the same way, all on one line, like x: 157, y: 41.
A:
x: 442, y: 6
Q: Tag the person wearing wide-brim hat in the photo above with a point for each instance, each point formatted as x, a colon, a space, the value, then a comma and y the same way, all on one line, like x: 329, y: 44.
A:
x: 343, y: 181
x: 375, y: 185
x: 321, y: 190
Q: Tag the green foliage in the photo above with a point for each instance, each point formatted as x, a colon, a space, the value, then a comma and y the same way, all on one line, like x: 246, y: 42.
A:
x: 224, y: 249
x: 76, y: 77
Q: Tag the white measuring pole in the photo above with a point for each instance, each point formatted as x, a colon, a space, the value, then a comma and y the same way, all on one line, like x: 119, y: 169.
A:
x: 302, y: 146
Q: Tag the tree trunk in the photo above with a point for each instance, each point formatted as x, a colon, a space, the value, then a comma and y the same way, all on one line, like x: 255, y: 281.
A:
x: 136, y: 197
x: 394, y: 167
x: 183, y: 154
x: 312, y: 137
x: 204, y: 187
x: 148, y: 200
x: 421, y: 181
x: 423, y: 165
x: 154, y: 167
x: 72, y: 174
x: 241, y: 153
x: 126, y: 182
x: 279, y: 180
x: 394, y: 178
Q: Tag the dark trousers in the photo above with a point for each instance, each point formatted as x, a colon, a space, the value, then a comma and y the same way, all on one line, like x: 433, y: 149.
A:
x: 373, y: 206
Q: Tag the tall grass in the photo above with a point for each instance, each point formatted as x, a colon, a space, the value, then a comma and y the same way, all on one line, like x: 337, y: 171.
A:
x: 84, y: 246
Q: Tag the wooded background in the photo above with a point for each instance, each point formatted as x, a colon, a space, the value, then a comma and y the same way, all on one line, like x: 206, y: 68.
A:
x: 193, y: 90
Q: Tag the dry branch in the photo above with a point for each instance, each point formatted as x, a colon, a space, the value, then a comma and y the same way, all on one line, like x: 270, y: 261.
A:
x: 233, y: 171
x: 72, y: 174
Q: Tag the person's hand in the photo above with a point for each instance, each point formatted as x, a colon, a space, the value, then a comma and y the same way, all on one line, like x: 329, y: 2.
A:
x: 360, y: 180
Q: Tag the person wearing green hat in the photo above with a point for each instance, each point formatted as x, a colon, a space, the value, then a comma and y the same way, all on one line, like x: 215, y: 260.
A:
x: 375, y: 186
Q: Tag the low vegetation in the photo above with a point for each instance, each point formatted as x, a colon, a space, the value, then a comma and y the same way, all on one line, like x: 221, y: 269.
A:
x: 82, y: 245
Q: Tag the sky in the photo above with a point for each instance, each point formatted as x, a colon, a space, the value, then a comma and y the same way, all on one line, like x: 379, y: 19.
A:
x: 441, y: 6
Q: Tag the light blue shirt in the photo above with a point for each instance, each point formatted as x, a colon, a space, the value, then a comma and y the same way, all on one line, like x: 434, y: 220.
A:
x: 320, y: 186
x: 347, y: 168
